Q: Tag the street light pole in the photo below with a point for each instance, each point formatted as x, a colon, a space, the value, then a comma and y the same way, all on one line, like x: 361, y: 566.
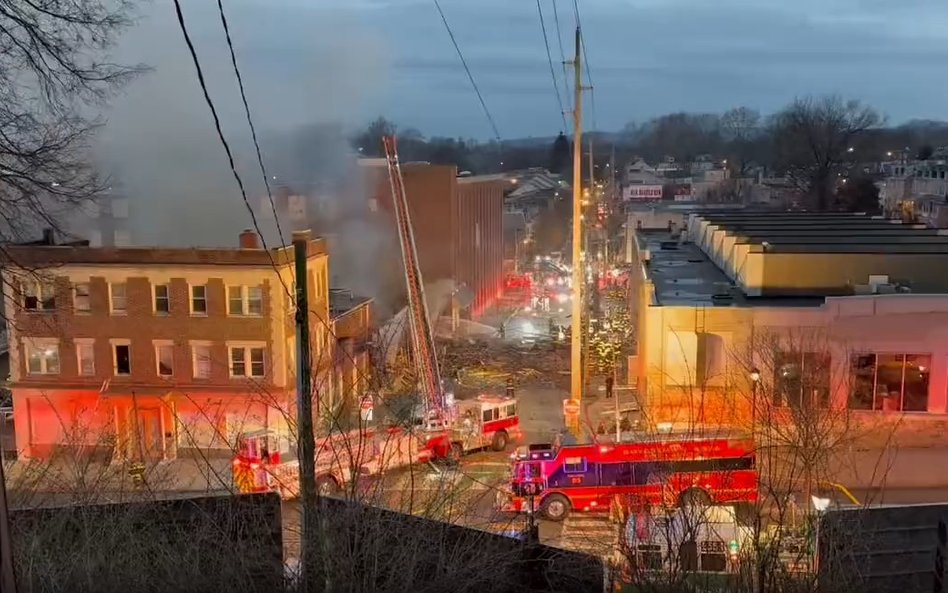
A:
x: 755, y: 384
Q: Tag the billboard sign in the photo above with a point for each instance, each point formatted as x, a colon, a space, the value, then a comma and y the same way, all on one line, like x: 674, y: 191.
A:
x: 642, y: 193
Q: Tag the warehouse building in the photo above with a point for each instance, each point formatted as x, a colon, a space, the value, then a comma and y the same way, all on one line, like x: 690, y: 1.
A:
x: 858, y: 304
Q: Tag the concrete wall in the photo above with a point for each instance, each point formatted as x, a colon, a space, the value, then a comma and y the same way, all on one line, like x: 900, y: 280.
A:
x: 692, y: 359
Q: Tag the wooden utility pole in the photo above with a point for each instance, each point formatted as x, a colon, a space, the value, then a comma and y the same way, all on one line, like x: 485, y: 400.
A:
x: 576, y: 358
x: 306, y: 437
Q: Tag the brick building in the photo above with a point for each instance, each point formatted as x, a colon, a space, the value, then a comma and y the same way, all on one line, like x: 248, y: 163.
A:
x: 153, y: 352
x: 457, y: 222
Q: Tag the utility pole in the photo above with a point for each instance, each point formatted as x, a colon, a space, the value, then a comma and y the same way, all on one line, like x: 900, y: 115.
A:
x: 305, y: 438
x: 7, y: 574
x: 576, y: 352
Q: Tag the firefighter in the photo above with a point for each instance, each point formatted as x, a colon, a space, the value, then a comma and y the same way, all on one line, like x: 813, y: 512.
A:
x: 510, y: 387
x: 610, y: 381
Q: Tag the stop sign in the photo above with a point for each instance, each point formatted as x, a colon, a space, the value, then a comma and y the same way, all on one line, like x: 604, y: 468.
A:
x: 570, y: 407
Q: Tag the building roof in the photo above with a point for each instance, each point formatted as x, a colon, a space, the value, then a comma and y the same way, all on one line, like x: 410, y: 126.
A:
x: 683, y: 275
x: 40, y: 255
x: 342, y: 302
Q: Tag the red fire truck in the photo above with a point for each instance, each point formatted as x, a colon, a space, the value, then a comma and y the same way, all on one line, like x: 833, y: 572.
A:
x: 487, y: 421
x: 661, y: 472
x: 263, y: 465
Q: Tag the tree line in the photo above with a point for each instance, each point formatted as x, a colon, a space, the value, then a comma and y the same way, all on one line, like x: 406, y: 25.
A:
x: 814, y: 142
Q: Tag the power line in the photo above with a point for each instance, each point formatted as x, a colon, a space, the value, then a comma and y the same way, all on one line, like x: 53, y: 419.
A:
x: 470, y: 76
x: 559, y: 39
x: 253, y: 130
x: 223, y: 140
x: 549, y: 58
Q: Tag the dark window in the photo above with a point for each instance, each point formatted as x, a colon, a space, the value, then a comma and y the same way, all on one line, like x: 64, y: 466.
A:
x: 890, y: 382
x: 123, y: 360
x: 802, y: 378
x: 713, y: 465
x: 615, y: 474
x: 162, y: 299
x: 574, y: 465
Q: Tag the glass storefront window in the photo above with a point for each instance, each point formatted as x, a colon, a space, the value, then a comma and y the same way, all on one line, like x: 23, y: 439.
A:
x: 890, y: 382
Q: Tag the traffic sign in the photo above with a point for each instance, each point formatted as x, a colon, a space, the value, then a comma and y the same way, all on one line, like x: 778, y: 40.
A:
x: 570, y: 407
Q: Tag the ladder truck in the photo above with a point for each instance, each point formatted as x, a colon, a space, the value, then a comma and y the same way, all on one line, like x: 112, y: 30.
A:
x: 447, y: 431
x: 457, y: 427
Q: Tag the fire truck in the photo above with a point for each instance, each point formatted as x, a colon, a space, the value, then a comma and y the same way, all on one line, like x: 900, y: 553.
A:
x: 594, y: 478
x: 443, y: 429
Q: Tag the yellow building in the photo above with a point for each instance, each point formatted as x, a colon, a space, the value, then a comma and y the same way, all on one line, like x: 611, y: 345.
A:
x: 859, y: 305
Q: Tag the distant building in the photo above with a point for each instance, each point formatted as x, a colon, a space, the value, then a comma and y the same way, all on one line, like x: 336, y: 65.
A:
x: 157, y: 352
x: 872, y: 289
x: 457, y: 223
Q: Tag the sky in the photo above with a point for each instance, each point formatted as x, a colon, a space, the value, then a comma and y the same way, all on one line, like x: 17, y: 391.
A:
x: 343, y: 62
x: 348, y: 60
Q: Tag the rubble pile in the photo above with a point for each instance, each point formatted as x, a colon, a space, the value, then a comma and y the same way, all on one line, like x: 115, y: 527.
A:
x: 487, y: 364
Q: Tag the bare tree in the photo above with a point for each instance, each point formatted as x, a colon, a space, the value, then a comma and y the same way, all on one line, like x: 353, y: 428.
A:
x: 812, y: 138
x: 53, y: 70
x: 740, y: 127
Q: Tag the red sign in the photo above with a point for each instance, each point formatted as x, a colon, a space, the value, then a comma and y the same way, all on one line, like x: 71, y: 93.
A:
x: 366, y: 402
x: 642, y: 193
x: 570, y: 407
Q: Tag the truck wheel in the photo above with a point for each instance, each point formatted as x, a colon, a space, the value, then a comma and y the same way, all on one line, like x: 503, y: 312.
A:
x: 500, y: 441
x: 555, y: 507
x: 327, y: 486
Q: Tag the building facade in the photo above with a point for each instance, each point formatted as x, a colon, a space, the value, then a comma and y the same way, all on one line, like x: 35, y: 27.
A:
x: 457, y: 224
x: 841, y: 311
x: 151, y: 353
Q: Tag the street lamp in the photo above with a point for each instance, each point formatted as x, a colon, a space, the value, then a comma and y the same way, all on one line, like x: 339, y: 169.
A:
x: 755, y: 386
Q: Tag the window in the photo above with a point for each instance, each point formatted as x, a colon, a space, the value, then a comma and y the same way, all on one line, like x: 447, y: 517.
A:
x: 162, y: 299
x: 244, y: 300
x: 42, y: 357
x: 801, y: 378
x: 199, y: 300
x: 201, y: 354
x: 491, y: 414
x: 39, y: 296
x: 574, y: 465
x: 123, y: 359
x: 81, y: 300
x: 164, y: 355
x: 890, y: 382
x: 85, y: 353
x: 247, y: 362
x: 118, y: 299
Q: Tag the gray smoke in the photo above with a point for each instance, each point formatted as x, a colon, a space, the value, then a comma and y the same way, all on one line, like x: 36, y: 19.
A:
x: 309, y: 74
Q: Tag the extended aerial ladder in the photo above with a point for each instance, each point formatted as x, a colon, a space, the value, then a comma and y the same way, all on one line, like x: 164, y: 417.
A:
x: 418, y: 322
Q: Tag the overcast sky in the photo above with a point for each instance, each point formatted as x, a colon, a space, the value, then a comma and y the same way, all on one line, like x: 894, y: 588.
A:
x: 350, y: 59
x: 347, y: 61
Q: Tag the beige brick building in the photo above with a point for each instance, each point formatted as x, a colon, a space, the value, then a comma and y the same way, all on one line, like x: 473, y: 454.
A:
x: 154, y: 353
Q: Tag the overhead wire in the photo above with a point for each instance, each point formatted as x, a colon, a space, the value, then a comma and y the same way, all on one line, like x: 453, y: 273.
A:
x: 220, y: 135
x: 253, y: 129
x: 559, y: 39
x: 549, y: 58
x: 470, y: 76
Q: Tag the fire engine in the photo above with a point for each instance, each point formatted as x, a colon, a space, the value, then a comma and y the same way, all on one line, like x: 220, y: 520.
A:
x: 592, y: 478
x: 443, y: 430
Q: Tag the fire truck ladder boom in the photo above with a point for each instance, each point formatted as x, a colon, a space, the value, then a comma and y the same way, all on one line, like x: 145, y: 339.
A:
x: 419, y: 325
